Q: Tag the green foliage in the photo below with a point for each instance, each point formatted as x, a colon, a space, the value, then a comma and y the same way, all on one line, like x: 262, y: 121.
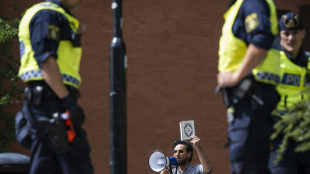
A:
x: 9, y: 29
x: 9, y: 91
x: 294, y: 126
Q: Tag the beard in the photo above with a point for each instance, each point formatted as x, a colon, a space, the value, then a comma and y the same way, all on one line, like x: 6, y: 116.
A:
x: 183, y: 162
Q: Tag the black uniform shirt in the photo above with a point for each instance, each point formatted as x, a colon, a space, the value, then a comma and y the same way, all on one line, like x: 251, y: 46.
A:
x: 261, y: 35
x: 300, y: 60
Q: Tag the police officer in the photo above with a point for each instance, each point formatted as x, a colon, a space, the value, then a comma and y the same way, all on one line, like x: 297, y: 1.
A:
x: 294, y: 76
x: 50, y: 48
x: 248, y: 72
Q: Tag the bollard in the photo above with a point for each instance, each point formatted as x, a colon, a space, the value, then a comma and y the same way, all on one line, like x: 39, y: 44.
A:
x: 14, y: 163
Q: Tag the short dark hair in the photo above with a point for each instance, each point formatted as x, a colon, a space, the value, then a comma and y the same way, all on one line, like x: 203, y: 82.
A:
x: 188, y: 147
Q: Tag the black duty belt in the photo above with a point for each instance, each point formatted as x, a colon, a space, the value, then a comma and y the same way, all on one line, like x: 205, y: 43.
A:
x: 244, y: 89
x: 38, y: 92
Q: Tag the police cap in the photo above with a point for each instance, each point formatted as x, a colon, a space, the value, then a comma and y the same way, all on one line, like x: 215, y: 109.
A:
x: 290, y: 21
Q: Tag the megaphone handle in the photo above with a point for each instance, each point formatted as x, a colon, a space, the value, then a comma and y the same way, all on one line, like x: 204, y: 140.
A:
x: 170, y: 169
x: 176, y: 169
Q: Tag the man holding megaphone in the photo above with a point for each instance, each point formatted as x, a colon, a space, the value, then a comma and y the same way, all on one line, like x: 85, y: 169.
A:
x: 183, y: 152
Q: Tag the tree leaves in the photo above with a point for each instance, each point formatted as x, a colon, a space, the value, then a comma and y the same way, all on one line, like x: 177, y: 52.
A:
x: 294, y: 125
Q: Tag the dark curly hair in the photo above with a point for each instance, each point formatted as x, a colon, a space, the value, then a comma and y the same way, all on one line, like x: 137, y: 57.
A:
x: 188, y: 147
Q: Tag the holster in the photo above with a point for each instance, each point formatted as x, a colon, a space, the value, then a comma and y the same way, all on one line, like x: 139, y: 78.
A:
x: 57, y: 136
x: 22, y: 131
x: 244, y: 89
x: 34, y: 95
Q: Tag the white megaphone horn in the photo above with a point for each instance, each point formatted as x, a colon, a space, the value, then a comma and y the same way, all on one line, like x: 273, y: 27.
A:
x: 158, y: 161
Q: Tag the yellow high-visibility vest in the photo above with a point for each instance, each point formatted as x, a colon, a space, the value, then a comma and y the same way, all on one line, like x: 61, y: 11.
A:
x: 68, y: 56
x: 292, y: 84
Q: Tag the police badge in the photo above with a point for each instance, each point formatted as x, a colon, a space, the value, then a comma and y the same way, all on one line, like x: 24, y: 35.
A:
x: 187, y: 129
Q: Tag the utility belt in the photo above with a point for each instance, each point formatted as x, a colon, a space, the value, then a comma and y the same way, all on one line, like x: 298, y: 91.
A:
x: 248, y: 88
x: 61, y: 130
x: 39, y: 92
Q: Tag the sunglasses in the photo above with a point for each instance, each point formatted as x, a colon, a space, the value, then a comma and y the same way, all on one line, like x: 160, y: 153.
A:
x: 176, y: 151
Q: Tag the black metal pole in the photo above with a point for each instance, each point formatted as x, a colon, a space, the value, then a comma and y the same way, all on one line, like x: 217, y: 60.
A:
x: 118, y: 121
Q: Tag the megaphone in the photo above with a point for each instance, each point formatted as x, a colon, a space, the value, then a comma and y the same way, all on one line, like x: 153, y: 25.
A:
x: 158, y: 161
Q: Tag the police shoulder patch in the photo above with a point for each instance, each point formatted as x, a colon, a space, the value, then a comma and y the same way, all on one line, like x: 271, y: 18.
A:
x: 53, y: 32
x: 251, y: 22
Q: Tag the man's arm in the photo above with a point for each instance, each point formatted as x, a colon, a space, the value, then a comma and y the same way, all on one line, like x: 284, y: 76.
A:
x: 53, y: 77
x: 253, y: 57
x: 204, y: 160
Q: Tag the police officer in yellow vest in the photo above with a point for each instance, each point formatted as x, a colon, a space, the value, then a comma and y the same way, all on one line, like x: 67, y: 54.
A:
x: 248, y: 73
x: 50, y: 49
x: 294, y: 76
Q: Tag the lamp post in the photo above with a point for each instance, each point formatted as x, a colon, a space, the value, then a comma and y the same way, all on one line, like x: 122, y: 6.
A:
x: 118, y: 121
